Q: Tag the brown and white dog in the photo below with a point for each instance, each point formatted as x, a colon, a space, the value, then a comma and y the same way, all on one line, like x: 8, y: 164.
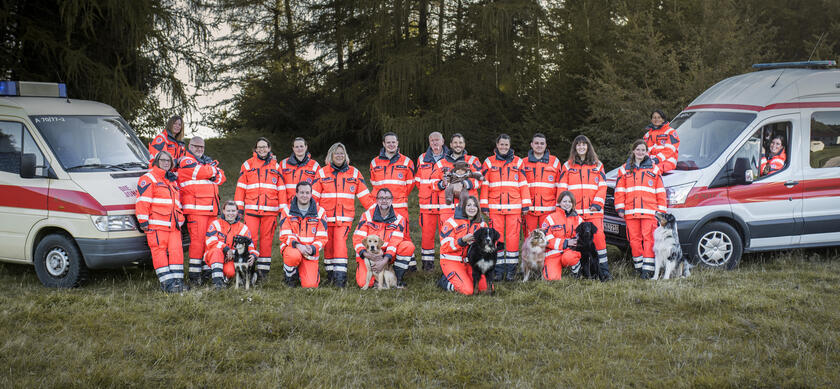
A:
x: 386, y: 278
x: 532, y: 254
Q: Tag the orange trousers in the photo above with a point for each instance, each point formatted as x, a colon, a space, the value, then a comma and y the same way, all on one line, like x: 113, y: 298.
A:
x: 532, y: 222
x: 335, y: 251
x: 262, y: 230
x: 167, y: 253
x: 197, y: 227
x: 640, y: 235
x: 430, y: 224
x: 404, y: 250
x: 555, y: 262
x: 460, y: 276
x: 307, y: 269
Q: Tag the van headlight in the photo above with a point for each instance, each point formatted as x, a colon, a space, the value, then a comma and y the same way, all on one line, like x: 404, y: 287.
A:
x: 114, y: 223
x: 678, y: 193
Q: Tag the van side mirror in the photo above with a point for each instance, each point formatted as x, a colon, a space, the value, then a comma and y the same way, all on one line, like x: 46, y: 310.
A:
x: 27, y: 165
x: 743, y: 173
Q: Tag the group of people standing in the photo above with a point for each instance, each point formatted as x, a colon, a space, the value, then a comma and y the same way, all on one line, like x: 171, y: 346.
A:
x: 313, y: 207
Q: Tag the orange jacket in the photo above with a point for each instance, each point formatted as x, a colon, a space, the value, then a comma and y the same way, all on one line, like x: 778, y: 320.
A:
x: 164, y: 141
x: 220, y: 235
x: 260, y: 190
x: 158, y: 205
x: 777, y: 162
x: 336, y: 191
x: 663, y: 146
x: 639, y: 191
x: 391, y: 229
x: 308, y: 227
x: 427, y: 194
x: 452, y: 247
x: 543, y: 177
x: 506, y: 191
x: 589, y: 185
x: 295, y: 171
x: 445, y: 165
x: 396, y: 174
x: 559, y: 227
x: 199, y: 180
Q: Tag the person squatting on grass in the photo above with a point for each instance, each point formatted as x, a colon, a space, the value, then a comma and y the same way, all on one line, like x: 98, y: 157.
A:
x: 455, y: 239
x: 662, y: 142
x: 303, y: 233
x: 261, y: 195
x: 298, y: 167
x: 394, y: 171
x: 170, y: 139
x: 543, y: 172
x: 429, y: 198
x: 639, y: 193
x: 199, y: 178
x: 560, y: 237
x: 583, y: 175
x: 158, y: 210
x: 219, y: 244
x: 337, y: 187
x: 382, y: 220
x: 505, y: 197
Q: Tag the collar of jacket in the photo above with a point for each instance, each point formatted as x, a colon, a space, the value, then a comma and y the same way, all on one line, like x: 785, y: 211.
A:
x: 162, y: 175
x: 204, y: 159
x: 570, y: 212
x: 312, y: 211
x: 377, y: 216
x: 507, y: 157
x: 429, y: 156
x: 532, y: 158
x: 267, y: 158
x: 450, y: 158
x: 647, y: 163
x: 393, y: 159
x: 294, y: 161
x: 173, y: 139
x: 340, y: 169
x: 237, y: 220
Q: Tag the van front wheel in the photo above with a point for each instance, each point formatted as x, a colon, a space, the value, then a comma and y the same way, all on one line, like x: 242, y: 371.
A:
x: 58, y: 262
x: 718, y: 245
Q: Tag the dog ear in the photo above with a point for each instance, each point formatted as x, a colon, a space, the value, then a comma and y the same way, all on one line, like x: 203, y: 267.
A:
x: 594, y: 229
x: 494, y: 234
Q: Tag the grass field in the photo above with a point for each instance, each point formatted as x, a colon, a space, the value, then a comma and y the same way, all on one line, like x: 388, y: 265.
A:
x: 772, y: 322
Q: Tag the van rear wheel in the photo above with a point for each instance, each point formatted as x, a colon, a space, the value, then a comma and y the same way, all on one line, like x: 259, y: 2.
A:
x: 59, y: 263
x: 718, y: 245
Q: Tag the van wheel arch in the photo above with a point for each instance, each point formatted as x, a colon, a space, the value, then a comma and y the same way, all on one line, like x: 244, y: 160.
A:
x: 58, y: 261
x: 718, y: 243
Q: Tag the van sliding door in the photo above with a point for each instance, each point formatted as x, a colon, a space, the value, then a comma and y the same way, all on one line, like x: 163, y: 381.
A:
x: 821, y: 209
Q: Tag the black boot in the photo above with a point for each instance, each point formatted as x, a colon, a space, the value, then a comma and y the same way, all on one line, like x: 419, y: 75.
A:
x: 511, y: 272
x: 196, y: 280
x: 499, y: 272
x: 605, y: 272
x: 428, y: 265
x: 646, y: 274
x: 329, y: 279
x: 219, y: 283
x: 262, y: 277
x: 293, y: 281
x: 400, y: 274
x: 168, y: 286
x: 339, y: 279
x: 444, y: 284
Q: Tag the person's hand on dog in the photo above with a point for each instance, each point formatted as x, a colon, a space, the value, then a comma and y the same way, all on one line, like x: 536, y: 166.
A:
x: 593, y: 208
x: 468, y: 238
x: 379, y: 264
x: 621, y: 213
x: 252, y: 259
x: 304, y: 249
x: 571, y: 242
x: 229, y: 255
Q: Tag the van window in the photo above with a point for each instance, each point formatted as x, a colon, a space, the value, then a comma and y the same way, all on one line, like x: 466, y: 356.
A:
x: 704, y: 135
x: 775, y: 139
x: 14, y: 141
x: 825, y: 139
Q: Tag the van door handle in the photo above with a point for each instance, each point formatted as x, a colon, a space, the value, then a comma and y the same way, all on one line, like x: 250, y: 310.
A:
x: 791, y: 184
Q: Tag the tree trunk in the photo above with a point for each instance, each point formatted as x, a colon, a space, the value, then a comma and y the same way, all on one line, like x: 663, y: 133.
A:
x: 290, y: 36
x: 459, y: 26
x: 276, y: 34
x: 339, y: 44
x: 424, y: 23
x: 441, y: 22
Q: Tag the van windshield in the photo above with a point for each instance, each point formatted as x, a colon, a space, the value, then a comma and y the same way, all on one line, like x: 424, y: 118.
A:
x: 705, y: 134
x: 92, y: 143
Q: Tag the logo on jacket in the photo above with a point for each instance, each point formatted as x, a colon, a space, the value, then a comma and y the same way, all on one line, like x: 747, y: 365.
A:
x: 314, y: 229
x: 273, y: 180
x: 143, y: 182
x: 352, y: 188
x: 596, y: 179
x: 550, y: 177
x: 399, y: 175
x: 650, y: 182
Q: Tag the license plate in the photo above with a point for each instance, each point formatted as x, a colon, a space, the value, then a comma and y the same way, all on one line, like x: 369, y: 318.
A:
x: 611, y: 228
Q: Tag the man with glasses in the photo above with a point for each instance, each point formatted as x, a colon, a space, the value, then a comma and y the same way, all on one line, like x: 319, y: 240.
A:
x: 382, y: 220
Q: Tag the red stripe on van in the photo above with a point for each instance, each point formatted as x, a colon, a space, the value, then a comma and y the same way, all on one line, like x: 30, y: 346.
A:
x: 61, y: 200
x: 726, y: 106
x: 758, y: 192
x: 758, y: 108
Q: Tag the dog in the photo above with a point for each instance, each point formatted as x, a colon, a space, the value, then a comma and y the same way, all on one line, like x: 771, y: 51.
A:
x: 244, y: 273
x: 459, y: 173
x: 666, y: 247
x: 589, y: 267
x: 532, y: 254
x: 482, y: 256
x: 386, y: 278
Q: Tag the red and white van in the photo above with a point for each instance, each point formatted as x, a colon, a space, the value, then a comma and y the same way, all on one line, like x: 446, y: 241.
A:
x: 68, y: 179
x: 724, y: 205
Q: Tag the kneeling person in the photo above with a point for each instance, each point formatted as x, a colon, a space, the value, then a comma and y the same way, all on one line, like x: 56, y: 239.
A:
x: 303, y: 233
x: 560, y: 233
x: 381, y: 220
x: 219, y: 244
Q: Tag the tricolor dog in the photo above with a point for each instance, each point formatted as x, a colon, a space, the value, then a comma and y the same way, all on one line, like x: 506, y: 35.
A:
x: 666, y: 247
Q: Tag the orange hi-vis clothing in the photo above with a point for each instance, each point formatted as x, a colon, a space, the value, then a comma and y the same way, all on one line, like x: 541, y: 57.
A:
x: 441, y: 168
x: 639, y: 193
x: 219, y: 240
x: 164, y: 141
x: 457, y: 271
x: 589, y: 185
x: 428, y: 197
x: 158, y: 209
x: 560, y: 227
x: 777, y: 162
x: 396, y: 174
x: 392, y: 231
x: 199, y: 180
x: 298, y: 228
x: 505, y: 195
x: 261, y: 195
x: 543, y: 175
x: 336, y: 190
x: 295, y: 171
x: 663, y: 146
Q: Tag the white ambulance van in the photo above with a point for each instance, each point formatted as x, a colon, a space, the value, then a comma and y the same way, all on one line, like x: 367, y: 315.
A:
x: 68, y: 179
x: 724, y: 202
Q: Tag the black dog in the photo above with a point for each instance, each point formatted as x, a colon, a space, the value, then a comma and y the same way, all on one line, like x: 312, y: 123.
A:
x: 244, y: 272
x: 589, y: 267
x: 482, y: 256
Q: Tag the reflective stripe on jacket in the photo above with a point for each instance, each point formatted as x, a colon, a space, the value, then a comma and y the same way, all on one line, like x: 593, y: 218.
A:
x: 663, y: 146
x: 295, y: 171
x: 199, y: 180
x: 543, y: 177
x: 220, y: 235
x: 307, y: 227
x: 391, y: 229
x: 158, y: 205
x: 336, y: 191
x: 260, y: 190
x: 396, y: 174
x: 588, y: 183
x: 639, y: 191
x: 506, y: 189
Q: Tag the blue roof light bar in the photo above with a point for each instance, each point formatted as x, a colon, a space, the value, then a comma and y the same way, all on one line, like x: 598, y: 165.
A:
x: 801, y: 64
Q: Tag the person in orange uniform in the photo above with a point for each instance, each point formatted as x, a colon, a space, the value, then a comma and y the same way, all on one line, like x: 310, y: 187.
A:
x: 158, y: 211
x: 506, y: 197
x: 583, y: 175
x: 170, y: 139
x: 199, y: 177
x: 561, y: 237
x: 261, y: 195
x: 382, y: 220
x: 219, y: 244
x: 456, y: 238
x: 303, y: 233
x: 298, y: 167
x: 337, y: 187
x: 662, y: 142
x: 457, y: 152
x: 428, y: 198
x: 639, y: 193
x: 394, y: 171
x: 774, y: 160
x: 542, y: 171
